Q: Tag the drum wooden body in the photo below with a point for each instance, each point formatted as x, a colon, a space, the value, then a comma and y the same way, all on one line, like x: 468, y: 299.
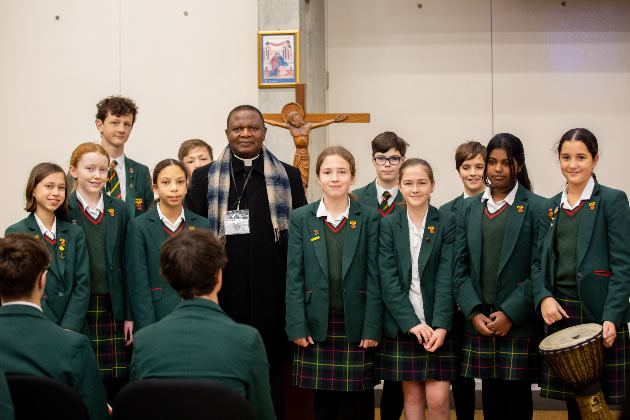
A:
x: 576, y: 355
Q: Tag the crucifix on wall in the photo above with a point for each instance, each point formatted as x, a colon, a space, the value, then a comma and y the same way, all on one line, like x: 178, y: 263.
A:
x: 300, y: 124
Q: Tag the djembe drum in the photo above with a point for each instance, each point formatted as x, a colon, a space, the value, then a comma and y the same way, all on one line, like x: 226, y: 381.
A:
x: 576, y: 355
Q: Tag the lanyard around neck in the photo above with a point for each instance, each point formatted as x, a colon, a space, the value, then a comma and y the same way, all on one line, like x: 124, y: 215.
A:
x: 239, y: 196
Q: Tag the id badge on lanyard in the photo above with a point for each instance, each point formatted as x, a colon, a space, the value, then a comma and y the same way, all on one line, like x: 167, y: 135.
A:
x: 236, y: 222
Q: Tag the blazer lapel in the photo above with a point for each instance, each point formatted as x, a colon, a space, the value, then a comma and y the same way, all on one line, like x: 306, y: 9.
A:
x: 111, y: 226
x: 353, y: 231
x: 370, y: 193
x: 474, y: 233
x: 130, y: 193
x: 587, y: 223
x: 316, y: 229
x: 58, y: 266
x: 517, y: 210
x: 156, y: 228
x: 431, y: 229
x: 401, y: 242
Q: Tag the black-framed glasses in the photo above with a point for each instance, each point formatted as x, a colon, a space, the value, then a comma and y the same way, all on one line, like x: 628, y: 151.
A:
x: 393, y: 160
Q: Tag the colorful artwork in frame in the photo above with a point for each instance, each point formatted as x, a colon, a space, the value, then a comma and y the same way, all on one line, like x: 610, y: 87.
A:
x: 278, y: 58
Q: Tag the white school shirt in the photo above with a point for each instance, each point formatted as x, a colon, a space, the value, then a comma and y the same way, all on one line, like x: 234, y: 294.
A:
x: 52, y: 234
x: 94, y: 212
x: 122, y: 177
x: 164, y: 219
x: 494, y: 207
x: 23, y: 302
x: 380, y: 191
x: 322, y: 211
x: 586, y: 195
x: 415, y: 242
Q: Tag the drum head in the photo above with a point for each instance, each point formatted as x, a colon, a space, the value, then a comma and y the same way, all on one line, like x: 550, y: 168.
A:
x: 570, y: 337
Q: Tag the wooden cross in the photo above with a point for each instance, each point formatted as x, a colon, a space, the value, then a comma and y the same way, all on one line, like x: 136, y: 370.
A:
x: 299, y: 123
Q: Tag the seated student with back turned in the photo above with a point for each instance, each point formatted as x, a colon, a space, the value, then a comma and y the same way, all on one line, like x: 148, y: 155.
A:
x: 31, y: 343
x: 203, y: 342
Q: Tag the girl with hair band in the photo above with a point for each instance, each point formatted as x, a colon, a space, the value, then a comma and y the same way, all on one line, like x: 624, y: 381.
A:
x: 415, y: 265
x: 151, y: 297
x: 333, y: 301
x: 104, y: 221
x: 496, y: 243
x: 583, y: 273
x: 67, y: 291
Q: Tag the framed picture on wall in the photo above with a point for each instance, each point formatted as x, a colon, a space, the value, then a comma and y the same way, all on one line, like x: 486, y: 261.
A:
x: 278, y: 58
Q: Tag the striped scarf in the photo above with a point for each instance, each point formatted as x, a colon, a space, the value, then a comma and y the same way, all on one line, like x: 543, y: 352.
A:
x: 278, y: 193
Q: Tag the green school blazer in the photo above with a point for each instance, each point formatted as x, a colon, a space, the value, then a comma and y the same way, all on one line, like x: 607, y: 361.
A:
x: 307, y: 275
x: 150, y: 295
x: 67, y: 292
x: 139, y: 188
x: 435, y: 264
x: 33, y: 345
x: 514, y: 285
x: 367, y: 197
x: 116, y: 219
x: 603, y: 255
x: 204, y: 343
x: 454, y: 206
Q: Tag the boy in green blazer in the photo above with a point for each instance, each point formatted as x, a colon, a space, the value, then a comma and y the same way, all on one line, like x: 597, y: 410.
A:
x: 388, y: 153
x: 31, y: 343
x: 203, y: 342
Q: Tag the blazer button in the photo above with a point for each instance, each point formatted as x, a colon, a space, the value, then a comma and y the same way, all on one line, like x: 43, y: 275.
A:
x: 60, y: 293
x: 579, y: 275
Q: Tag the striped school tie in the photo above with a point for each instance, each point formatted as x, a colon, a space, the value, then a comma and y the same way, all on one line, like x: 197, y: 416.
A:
x: 384, y: 204
x: 113, y: 183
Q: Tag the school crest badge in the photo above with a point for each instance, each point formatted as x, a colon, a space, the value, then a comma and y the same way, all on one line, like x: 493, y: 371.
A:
x: 191, y: 228
x: 353, y: 224
x: 111, y: 212
x: 520, y: 209
x: 591, y: 205
x: 431, y: 229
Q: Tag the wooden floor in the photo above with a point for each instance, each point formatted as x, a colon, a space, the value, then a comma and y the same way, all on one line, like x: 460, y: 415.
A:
x: 538, y: 415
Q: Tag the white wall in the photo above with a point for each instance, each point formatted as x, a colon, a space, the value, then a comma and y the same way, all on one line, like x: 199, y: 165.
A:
x: 185, y: 73
x: 458, y: 70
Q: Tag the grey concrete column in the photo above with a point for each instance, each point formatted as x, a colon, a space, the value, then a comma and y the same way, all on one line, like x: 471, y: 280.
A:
x: 309, y: 17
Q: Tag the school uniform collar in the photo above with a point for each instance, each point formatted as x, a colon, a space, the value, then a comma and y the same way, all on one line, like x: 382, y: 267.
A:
x: 52, y: 234
x: 94, y: 212
x: 206, y: 303
x: 120, y: 163
x: 587, y: 192
x: 23, y: 302
x: 465, y: 196
x: 415, y: 231
x: 322, y: 211
x: 492, y: 206
x: 380, y: 191
x: 172, y: 226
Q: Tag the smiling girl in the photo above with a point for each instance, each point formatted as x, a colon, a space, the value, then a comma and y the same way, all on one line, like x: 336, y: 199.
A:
x: 151, y: 297
x: 495, y: 248
x: 104, y: 221
x: 67, y: 291
x: 415, y: 264
x: 333, y: 302
x: 584, y: 269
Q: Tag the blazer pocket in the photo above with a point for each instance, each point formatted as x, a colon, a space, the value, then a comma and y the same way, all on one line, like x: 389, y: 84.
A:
x: 307, y: 296
x: 156, y: 292
x: 603, y: 273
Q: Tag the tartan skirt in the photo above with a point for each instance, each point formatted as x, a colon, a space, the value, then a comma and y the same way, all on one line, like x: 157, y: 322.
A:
x: 616, y: 359
x: 107, y: 337
x: 404, y: 359
x: 505, y: 358
x: 335, y: 364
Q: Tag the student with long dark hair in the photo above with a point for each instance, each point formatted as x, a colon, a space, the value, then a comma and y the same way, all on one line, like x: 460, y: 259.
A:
x: 495, y: 247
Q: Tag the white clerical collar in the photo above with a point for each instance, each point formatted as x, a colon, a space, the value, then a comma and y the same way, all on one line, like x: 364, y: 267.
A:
x: 23, y: 302
x: 586, y: 195
x: 246, y: 162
